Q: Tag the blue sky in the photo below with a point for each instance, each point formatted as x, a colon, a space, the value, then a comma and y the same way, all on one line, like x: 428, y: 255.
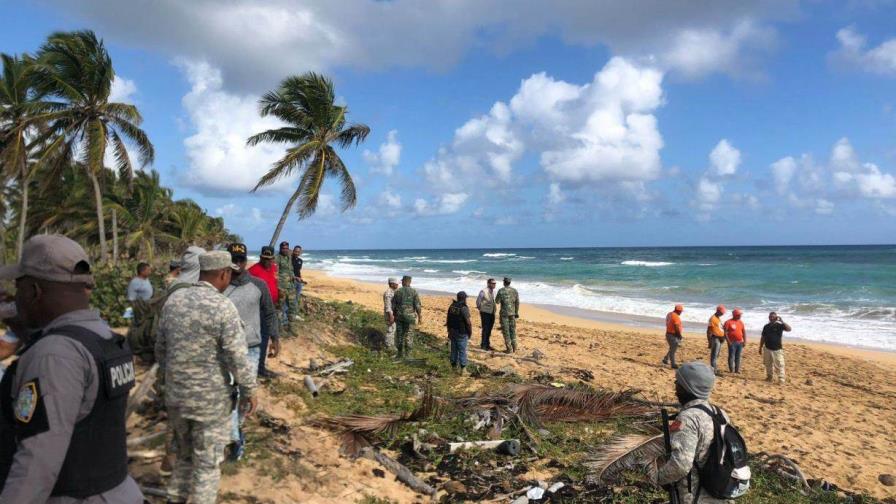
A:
x: 503, y: 124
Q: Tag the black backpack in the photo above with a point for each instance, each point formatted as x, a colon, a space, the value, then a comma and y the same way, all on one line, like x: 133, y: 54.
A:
x: 726, y: 472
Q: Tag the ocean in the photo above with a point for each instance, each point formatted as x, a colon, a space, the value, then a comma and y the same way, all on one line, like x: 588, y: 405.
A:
x: 837, y: 294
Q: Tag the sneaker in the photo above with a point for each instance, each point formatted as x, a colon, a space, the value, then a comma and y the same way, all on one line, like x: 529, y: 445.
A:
x: 463, y: 371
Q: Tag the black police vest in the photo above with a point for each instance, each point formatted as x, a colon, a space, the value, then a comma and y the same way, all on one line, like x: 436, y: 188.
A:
x: 456, y: 320
x: 97, y: 457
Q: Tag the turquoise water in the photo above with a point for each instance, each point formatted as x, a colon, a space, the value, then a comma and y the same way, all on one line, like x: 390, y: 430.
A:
x: 839, y: 294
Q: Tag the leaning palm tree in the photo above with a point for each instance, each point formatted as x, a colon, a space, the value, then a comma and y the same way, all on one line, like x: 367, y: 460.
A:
x: 75, y: 68
x: 18, y: 105
x: 314, y: 124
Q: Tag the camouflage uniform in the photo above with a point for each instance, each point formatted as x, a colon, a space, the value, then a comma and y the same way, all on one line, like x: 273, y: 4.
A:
x: 200, y: 344
x: 286, y: 284
x: 692, y: 434
x: 387, y: 310
x: 405, y: 305
x: 509, y: 300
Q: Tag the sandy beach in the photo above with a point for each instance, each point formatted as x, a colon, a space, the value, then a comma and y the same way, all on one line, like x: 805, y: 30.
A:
x: 835, y: 416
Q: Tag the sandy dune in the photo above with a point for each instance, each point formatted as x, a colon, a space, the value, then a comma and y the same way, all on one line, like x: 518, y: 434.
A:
x: 835, y: 417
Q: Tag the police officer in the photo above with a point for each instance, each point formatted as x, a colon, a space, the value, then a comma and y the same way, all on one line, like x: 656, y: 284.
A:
x: 408, y: 312
x: 509, y: 300
x: 200, y: 345
x: 62, y: 430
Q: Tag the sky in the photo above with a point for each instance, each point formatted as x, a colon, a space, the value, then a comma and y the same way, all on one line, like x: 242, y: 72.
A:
x: 522, y: 123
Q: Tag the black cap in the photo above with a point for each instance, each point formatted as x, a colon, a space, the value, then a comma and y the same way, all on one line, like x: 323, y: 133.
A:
x: 267, y: 252
x: 284, y: 244
x: 507, y: 279
x: 461, y: 296
x: 237, y: 251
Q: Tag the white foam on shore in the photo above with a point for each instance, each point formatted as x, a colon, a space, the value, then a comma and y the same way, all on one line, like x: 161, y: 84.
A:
x: 816, y: 323
x: 498, y: 254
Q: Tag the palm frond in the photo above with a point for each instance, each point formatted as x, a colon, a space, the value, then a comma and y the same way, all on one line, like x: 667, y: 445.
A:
x: 538, y: 403
x: 349, y: 195
x: 139, y: 137
x: 354, y: 134
x: 310, y: 184
x: 630, y: 452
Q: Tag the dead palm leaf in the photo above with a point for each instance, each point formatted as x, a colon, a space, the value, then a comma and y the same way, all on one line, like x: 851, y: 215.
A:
x: 538, y: 403
x: 629, y: 452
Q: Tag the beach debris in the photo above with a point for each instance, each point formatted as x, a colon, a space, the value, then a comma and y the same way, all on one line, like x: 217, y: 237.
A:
x: 887, y: 480
x: 142, y: 390
x: 400, y: 471
x: 538, y: 355
x: 765, y: 400
x: 580, y: 374
x: 784, y: 467
x: 505, y: 447
x: 379, y: 473
x: 628, y: 452
x: 535, y: 493
x: 311, y: 386
x: 339, y: 367
x: 454, y: 487
x: 356, y: 429
x: 137, y: 441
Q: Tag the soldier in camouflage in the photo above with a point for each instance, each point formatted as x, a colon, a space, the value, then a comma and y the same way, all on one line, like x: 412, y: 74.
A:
x: 692, y: 434
x: 286, y: 284
x: 201, y: 344
x: 408, y: 312
x: 509, y: 300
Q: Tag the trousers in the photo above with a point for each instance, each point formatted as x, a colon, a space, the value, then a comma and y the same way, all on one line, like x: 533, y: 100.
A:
x: 673, y: 341
x: 390, y: 331
x: 488, y: 322
x: 199, y: 450
x: 774, y: 364
x: 236, y: 419
x: 508, y: 329
x: 404, y: 334
x: 734, y: 354
x: 715, y: 351
x: 459, y: 350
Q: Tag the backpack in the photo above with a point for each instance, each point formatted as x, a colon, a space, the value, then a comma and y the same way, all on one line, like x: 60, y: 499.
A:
x: 726, y: 472
x: 142, y: 331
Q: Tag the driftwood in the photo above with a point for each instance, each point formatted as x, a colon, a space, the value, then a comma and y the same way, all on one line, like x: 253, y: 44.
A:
x: 485, y: 445
x: 309, y: 383
x: 137, y: 441
x: 784, y: 467
x: 155, y: 492
x: 401, y: 472
x: 339, y: 367
x: 149, y: 379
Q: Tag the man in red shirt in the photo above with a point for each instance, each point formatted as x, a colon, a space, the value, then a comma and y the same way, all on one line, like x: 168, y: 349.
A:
x: 673, y: 334
x: 266, y: 270
x: 736, y: 334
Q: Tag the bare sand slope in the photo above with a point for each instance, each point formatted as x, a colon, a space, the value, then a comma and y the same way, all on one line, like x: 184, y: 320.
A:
x: 836, y: 416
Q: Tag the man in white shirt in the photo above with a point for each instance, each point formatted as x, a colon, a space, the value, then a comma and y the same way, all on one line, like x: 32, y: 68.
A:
x: 485, y: 303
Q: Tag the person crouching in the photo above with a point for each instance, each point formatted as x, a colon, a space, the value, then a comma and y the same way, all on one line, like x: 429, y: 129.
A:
x: 460, y: 327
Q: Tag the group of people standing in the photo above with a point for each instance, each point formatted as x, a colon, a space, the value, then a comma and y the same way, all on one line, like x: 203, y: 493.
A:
x: 733, y: 333
x: 402, y: 311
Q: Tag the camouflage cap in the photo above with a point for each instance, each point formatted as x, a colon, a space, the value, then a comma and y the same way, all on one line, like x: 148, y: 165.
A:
x: 216, y: 260
x: 51, y: 257
x: 392, y: 280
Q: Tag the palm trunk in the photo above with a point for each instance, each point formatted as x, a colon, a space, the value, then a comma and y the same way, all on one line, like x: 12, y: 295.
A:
x: 101, y: 224
x: 289, y: 204
x: 3, y: 237
x: 23, y: 217
x: 114, y: 236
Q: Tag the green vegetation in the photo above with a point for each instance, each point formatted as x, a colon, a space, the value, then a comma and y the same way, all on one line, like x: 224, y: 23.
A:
x: 378, y: 385
x: 315, y: 123
x: 58, y: 130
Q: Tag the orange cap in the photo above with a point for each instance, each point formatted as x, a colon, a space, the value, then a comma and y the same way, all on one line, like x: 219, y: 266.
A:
x: 679, y: 307
x: 721, y: 308
x: 737, y: 312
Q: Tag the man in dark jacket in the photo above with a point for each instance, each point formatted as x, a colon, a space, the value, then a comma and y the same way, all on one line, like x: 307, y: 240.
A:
x: 253, y: 301
x: 459, y: 330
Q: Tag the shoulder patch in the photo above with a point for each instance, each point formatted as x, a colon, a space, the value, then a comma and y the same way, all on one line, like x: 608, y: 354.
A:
x: 27, y: 401
x: 674, y: 426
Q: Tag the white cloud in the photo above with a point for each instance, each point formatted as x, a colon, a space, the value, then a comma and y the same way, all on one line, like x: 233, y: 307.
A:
x: 696, y: 52
x: 854, y: 51
x: 390, y: 199
x: 326, y: 206
x: 555, y: 194
x: 219, y: 159
x: 387, y: 157
x: 709, y: 194
x: 123, y: 90
x: 724, y: 158
x: 256, y: 44
x: 823, y: 207
x: 601, y: 132
x: 782, y: 171
x: 448, y: 203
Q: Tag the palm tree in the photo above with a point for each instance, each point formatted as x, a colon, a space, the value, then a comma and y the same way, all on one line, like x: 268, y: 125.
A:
x: 143, y: 214
x: 313, y: 123
x: 76, y: 68
x: 18, y: 105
